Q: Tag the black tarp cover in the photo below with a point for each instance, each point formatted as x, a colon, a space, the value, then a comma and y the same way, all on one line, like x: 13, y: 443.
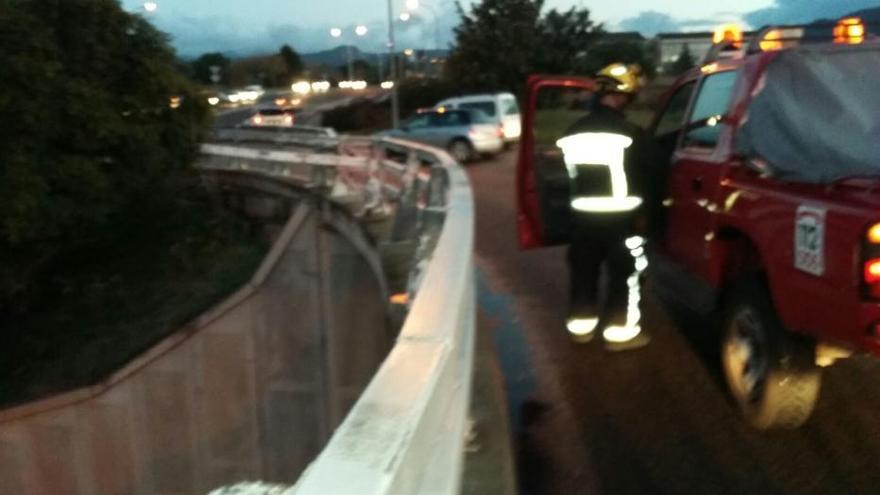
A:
x: 816, y: 115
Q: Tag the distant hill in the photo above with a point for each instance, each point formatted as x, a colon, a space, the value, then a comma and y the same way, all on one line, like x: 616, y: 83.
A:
x: 870, y: 16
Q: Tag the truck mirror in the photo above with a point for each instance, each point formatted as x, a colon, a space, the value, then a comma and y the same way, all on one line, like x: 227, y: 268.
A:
x: 554, y: 106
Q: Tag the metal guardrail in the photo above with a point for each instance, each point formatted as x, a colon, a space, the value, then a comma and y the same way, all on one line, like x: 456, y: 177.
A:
x: 405, y: 435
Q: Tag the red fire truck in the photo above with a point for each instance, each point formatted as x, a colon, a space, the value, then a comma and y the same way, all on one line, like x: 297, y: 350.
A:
x: 770, y: 152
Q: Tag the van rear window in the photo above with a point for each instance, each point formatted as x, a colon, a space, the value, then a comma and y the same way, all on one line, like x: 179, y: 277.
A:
x: 487, y: 107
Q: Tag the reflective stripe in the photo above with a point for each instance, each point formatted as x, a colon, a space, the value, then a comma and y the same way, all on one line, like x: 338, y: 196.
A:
x: 600, y: 149
x: 604, y: 204
x: 632, y: 328
x: 581, y: 326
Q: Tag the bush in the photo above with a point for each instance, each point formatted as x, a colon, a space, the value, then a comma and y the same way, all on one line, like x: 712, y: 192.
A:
x: 89, y: 140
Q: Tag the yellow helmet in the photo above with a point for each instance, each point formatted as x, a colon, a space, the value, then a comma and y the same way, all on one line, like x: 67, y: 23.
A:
x: 622, y: 78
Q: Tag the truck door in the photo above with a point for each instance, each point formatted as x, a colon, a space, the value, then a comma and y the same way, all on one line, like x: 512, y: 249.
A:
x: 554, y: 104
x: 695, y: 175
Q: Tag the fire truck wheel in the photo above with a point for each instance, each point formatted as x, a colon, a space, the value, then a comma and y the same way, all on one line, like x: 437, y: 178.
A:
x: 770, y: 372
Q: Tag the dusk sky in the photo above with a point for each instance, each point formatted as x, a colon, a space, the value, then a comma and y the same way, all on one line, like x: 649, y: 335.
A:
x: 250, y: 26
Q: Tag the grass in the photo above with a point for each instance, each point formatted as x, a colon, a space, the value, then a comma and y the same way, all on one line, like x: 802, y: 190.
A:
x: 115, y: 298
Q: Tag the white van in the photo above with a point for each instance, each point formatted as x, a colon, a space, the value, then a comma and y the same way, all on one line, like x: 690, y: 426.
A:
x: 502, y: 108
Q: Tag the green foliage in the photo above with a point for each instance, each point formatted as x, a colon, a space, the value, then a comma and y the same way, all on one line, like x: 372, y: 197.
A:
x: 292, y: 62
x: 500, y: 42
x: 268, y: 71
x: 88, y: 135
x: 496, y: 44
x: 202, y: 68
x: 565, y: 41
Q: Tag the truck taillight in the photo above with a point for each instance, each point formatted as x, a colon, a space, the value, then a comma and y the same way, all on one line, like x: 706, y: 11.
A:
x: 871, y: 263
x: 873, y: 236
x: 872, y: 271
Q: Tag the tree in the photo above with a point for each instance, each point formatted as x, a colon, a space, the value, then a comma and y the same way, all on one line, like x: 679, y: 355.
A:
x: 501, y: 41
x: 495, y: 44
x: 684, y: 62
x: 565, y: 41
x: 92, y: 141
x: 292, y: 62
x: 206, y: 66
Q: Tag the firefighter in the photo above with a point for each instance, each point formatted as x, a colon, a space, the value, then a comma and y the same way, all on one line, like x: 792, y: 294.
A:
x: 606, y: 159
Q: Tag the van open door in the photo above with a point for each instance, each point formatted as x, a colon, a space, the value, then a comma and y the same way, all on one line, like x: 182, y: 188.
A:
x: 553, y: 105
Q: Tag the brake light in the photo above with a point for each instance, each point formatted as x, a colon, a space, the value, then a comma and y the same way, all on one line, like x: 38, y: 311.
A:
x: 288, y: 119
x: 280, y: 101
x: 258, y: 119
x: 850, y: 31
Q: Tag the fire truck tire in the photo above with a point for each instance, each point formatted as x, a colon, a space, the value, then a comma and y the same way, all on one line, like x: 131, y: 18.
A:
x: 770, y: 372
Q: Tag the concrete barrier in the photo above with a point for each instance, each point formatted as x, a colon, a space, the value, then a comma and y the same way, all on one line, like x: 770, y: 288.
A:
x: 252, y: 389
x: 405, y: 434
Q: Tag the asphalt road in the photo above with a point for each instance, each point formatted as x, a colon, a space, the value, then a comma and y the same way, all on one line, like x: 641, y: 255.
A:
x: 652, y: 421
x: 308, y: 114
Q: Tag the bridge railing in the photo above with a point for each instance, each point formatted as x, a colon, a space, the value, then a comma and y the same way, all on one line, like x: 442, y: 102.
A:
x: 405, y: 434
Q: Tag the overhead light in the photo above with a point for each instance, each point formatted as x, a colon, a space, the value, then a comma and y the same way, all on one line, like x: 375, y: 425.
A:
x: 151, y: 6
x: 335, y: 32
x: 405, y: 16
x: 412, y: 4
x: 361, y: 30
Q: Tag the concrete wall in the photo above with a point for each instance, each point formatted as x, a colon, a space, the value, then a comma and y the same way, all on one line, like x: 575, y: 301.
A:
x: 250, y: 390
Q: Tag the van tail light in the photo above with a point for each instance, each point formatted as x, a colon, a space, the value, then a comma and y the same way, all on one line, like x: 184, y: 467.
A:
x: 871, y: 263
x: 258, y: 119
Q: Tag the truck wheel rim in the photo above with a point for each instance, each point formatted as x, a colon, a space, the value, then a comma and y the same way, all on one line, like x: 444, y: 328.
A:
x: 746, y: 356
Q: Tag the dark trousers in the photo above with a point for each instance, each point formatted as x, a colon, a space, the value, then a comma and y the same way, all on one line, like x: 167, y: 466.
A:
x: 609, y: 296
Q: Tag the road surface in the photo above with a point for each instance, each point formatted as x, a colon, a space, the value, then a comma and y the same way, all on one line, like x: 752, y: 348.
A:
x: 652, y: 421
x: 308, y: 114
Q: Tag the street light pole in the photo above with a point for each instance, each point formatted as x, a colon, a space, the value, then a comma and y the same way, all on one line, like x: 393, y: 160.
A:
x: 395, y: 103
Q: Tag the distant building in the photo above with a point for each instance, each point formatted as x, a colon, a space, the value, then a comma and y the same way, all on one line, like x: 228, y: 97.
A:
x: 670, y: 45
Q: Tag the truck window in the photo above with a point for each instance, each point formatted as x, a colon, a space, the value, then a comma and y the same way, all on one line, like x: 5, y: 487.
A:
x: 712, y: 100
x: 675, y: 112
x: 487, y: 107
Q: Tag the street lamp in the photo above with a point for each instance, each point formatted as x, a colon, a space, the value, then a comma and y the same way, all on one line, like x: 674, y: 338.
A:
x: 412, y: 6
x: 151, y: 7
x: 360, y: 31
x: 395, y: 102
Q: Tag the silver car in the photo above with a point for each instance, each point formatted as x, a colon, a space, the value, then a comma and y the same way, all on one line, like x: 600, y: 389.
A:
x: 466, y: 134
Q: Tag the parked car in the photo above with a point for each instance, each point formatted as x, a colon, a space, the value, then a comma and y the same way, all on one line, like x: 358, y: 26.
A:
x: 502, y: 108
x: 272, y: 117
x: 773, y: 205
x: 466, y: 134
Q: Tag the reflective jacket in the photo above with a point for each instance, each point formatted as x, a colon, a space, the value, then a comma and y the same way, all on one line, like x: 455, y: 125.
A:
x: 608, y: 162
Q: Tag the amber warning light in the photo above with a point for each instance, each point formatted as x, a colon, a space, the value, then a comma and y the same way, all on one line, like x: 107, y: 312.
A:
x: 728, y: 33
x: 849, y: 31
